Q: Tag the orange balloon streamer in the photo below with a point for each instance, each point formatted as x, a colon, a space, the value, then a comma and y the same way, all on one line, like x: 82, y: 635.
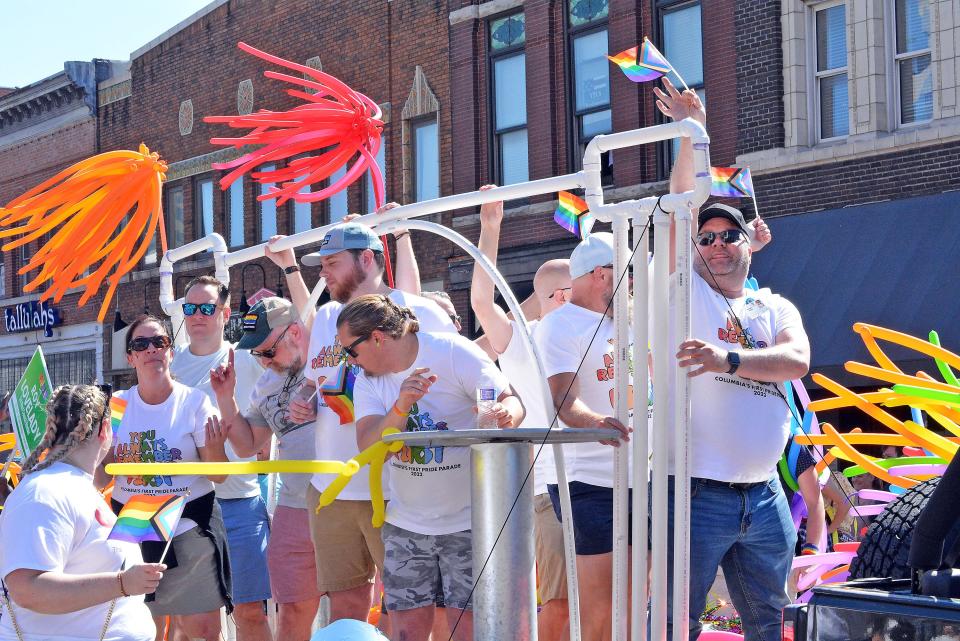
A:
x: 95, y: 235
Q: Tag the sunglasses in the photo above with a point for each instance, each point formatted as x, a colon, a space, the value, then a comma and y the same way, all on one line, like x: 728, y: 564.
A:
x: 207, y: 309
x: 350, y: 349
x: 142, y: 343
x: 270, y: 353
x: 728, y: 237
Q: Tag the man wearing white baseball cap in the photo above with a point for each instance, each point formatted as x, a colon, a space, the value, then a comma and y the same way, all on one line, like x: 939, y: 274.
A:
x: 576, y: 341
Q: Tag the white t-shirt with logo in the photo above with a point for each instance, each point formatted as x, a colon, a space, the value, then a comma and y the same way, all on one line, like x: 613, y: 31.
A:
x: 517, y: 365
x: 564, y: 336
x: 169, y: 432
x: 336, y: 433
x: 430, y: 486
x: 194, y: 371
x: 738, y: 427
x: 56, y: 521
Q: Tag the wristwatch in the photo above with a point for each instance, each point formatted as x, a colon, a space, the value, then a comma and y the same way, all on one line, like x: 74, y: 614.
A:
x: 734, y: 359
x: 292, y: 269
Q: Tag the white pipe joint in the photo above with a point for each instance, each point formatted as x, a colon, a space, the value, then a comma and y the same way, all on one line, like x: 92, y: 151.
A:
x: 214, y: 242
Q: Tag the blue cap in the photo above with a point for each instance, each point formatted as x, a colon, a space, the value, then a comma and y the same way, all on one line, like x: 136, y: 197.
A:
x: 342, y: 237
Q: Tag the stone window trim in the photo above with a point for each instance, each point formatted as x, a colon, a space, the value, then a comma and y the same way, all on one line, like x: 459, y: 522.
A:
x: 421, y: 104
x: 893, y: 86
x: 483, y: 10
x: 814, y: 76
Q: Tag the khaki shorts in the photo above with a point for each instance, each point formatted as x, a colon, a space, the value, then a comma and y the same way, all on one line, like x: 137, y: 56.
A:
x: 347, y: 547
x: 551, y: 570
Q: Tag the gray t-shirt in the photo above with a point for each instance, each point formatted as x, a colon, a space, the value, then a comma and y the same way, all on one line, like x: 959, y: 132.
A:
x: 268, y: 408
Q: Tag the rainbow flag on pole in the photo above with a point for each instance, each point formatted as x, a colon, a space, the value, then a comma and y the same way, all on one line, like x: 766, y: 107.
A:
x: 573, y: 214
x: 338, y: 394
x: 148, y: 518
x: 118, y: 408
x: 649, y: 65
x: 731, y: 182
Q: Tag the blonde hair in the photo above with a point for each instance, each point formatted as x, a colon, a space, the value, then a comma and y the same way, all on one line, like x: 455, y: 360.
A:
x: 377, y: 312
x: 73, y: 412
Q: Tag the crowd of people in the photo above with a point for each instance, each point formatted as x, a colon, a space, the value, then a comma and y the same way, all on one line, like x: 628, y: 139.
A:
x: 326, y: 382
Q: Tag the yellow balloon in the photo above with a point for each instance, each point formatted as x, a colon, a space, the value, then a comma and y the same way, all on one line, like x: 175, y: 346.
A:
x: 347, y: 469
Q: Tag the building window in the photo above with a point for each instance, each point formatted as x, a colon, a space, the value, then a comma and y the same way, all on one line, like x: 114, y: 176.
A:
x: 587, y: 29
x: 681, y: 29
x: 426, y: 160
x: 508, y: 71
x: 268, y: 209
x: 830, y: 93
x: 235, y: 209
x: 338, y: 202
x: 175, y: 216
x: 3, y: 279
x: 912, y: 60
x: 370, y: 195
x: 203, y: 190
x: 24, y: 259
x: 302, y: 213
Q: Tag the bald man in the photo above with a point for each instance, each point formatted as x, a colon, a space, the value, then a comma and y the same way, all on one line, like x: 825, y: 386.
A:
x: 551, y: 289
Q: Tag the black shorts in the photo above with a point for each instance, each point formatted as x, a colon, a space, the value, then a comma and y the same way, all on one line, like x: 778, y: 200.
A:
x: 592, y: 516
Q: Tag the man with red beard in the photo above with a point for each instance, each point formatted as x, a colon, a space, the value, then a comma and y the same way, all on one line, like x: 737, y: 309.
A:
x: 348, y: 548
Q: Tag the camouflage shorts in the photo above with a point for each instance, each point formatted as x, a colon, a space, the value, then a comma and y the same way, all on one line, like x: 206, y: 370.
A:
x: 418, y: 567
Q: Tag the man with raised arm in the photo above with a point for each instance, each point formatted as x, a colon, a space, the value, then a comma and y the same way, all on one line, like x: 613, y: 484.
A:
x: 743, y: 346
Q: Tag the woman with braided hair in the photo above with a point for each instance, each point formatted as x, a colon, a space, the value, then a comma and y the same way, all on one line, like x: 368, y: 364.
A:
x: 62, y: 578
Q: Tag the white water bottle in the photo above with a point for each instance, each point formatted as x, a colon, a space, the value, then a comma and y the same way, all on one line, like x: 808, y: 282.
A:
x: 486, y: 400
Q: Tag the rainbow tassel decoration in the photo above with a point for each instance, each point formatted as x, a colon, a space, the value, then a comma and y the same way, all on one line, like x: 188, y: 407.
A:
x: 118, y: 408
x: 338, y: 394
x: 731, y: 182
x: 148, y: 518
x: 649, y: 65
x: 573, y: 214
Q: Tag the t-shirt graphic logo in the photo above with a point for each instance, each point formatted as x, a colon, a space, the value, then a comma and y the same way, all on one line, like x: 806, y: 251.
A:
x: 419, y: 422
x: 733, y: 334
x: 329, y: 356
x: 145, y: 447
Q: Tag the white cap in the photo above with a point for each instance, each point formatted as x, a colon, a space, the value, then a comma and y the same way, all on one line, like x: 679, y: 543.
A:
x: 595, y: 251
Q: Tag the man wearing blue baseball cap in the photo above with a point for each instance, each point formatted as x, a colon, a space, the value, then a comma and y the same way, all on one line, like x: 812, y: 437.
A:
x: 348, y: 549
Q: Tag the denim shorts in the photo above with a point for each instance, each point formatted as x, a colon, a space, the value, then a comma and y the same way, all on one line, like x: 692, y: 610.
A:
x: 248, y: 531
x: 592, y: 516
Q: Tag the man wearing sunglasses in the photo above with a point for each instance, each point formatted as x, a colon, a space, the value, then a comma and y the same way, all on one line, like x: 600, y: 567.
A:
x: 743, y: 346
x: 206, y: 310
x: 348, y: 549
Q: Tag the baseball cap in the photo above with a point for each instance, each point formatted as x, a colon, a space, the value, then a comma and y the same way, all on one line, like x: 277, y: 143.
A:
x: 268, y: 314
x: 719, y: 210
x: 596, y: 250
x: 341, y: 237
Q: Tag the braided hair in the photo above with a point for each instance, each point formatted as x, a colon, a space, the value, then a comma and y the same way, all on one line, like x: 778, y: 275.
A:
x: 73, y: 413
x: 378, y: 312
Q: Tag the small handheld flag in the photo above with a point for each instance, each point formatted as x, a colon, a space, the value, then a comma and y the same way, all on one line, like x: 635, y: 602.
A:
x: 148, y: 518
x: 731, y: 182
x: 573, y: 214
x: 649, y: 65
x: 338, y: 393
x: 118, y: 407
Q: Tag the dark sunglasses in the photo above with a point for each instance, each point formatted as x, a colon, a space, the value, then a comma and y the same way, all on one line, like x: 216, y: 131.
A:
x: 207, y: 309
x: 728, y: 237
x: 270, y: 353
x: 350, y: 349
x: 142, y: 343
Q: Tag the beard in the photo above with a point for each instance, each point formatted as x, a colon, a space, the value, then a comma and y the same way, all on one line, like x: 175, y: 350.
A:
x: 738, y: 264
x: 343, y: 291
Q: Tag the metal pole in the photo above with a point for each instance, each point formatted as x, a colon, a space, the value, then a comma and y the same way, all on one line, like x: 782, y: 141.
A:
x: 641, y: 440
x: 504, y: 601
x: 621, y: 379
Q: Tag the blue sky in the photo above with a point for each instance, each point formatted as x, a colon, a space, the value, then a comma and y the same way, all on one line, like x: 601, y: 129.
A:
x: 37, y: 36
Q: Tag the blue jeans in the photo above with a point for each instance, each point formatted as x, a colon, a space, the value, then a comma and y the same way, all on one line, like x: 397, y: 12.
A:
x: 750, y: 534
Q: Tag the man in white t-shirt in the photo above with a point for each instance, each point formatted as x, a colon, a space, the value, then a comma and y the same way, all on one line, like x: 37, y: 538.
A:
x: 744, y: 345
x: 348, y: 548
x: 551, y: 286
x: 206, y: 310
x: 576, y: 342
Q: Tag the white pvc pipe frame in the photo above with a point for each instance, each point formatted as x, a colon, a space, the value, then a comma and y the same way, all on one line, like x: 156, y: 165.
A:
x: 621, y: 214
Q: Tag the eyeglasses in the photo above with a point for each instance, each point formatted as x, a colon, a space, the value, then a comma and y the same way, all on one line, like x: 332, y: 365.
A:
x: 207, y: 309
x: 270, y: 353
x: 560, y: 289
x: 142, y: 343
x: 727, y: 236
x: 351, y: 348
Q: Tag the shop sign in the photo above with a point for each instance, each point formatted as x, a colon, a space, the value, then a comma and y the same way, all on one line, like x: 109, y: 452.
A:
x: 27, y: 317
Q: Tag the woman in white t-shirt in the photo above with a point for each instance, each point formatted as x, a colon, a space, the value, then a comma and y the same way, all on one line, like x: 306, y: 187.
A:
x: 62, y: 577
x: 167, y: 422
x: 418, y: 381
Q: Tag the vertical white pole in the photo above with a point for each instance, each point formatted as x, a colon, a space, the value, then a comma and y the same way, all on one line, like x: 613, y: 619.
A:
x: 662, y: 353
x: 681, y: 512
x: 641, y: 436
x: 622, y: 398
x: 569, y: 543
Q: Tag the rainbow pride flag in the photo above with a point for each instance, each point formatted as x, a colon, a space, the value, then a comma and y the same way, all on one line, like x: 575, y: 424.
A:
x: 649, y: 65
x: 731, y: 182
x: 573, y: 214
x: 118, y: 408
x: 148, y: 518
x: 338, y: 393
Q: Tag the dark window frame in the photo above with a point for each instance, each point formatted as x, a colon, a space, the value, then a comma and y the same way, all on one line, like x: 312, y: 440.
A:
x: 198, y: 205
x: 494, y: 164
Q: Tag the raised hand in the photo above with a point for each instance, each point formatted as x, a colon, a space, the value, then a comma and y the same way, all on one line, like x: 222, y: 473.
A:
x: 414, y: 388
x: 676, y: 105
x: 491, y: 213
x: 223, y: 378
x: 282, y: 258
x: 761, y: 234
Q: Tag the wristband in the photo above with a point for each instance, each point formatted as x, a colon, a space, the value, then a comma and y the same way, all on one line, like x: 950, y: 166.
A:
x: 120, y: 581
x: 809, y: 549
x: 400, y: 235
x: 292, y: 269
x: 396, y: 410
